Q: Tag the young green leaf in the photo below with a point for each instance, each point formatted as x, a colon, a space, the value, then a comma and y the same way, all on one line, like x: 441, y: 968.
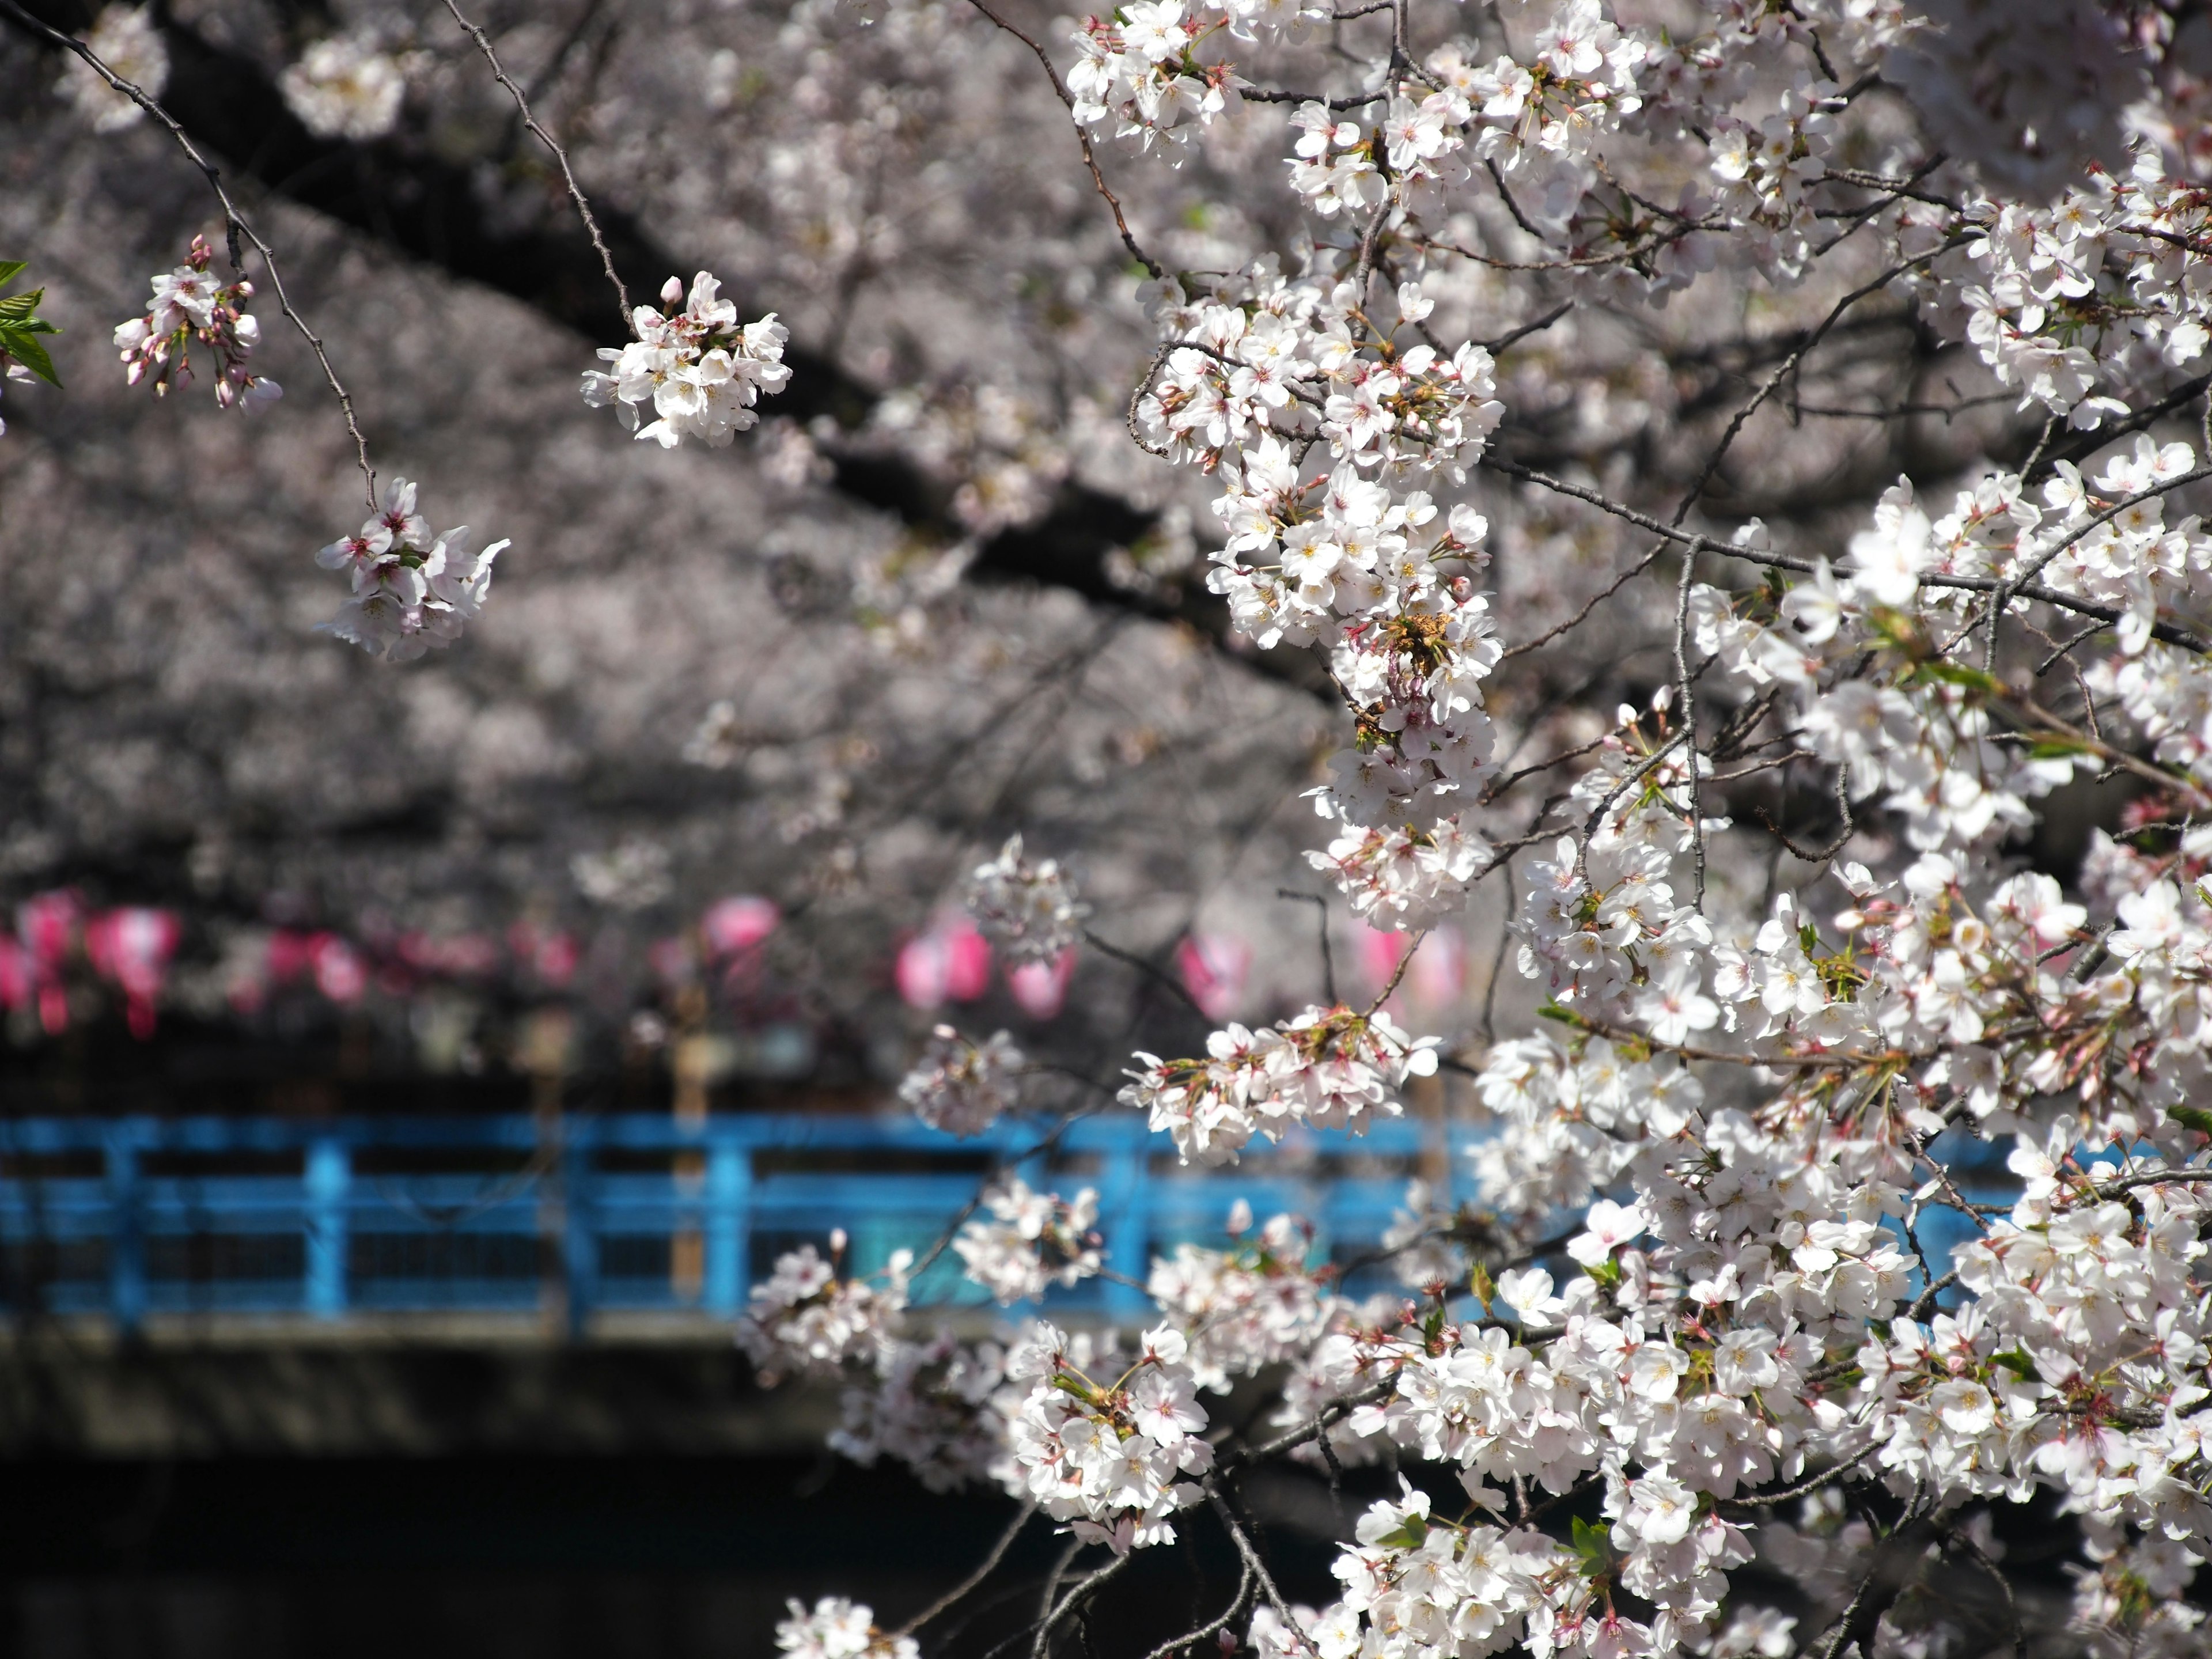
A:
x: 23, y: 346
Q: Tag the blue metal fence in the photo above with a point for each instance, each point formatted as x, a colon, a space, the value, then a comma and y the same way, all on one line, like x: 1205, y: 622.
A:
x: 139, y: 1216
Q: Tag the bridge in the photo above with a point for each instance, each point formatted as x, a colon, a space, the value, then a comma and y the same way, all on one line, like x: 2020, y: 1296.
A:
x: 585, y: 1219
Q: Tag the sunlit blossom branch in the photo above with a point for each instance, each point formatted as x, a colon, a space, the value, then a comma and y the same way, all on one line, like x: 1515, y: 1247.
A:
x: 235, y: 224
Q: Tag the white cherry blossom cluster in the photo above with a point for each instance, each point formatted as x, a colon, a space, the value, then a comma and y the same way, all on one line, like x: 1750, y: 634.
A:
x: 939, y: 1407
x: 963, y: 1087
x: 1260, y: 1303
x: 839, y: 1628
x: 128, y: 40
x: 2075, y: 300
x: 1331, y: 1067
x: 701, y: 372
x: 1710, y: 1264
x: 2130, y: 1599
x: 1029, y: 910
x: 414, y: 589
x: 190, y: 304
x: 1138, y: 71
x: 1418, y: 1586
x: 1032, y: 1241
x: 1107, y: 1454
x: 346, y: 86
x: 1541, y: 115
x: 1257, y: 372
x: 1260, y: 356
x: 803, y: 1317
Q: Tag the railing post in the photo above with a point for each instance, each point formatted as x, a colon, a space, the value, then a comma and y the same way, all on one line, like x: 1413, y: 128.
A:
x: 580, y: 1244
x: 1125, y: 1219
x: 328, y: 1177
x: 729, y: 1224
x: 126, y: 1243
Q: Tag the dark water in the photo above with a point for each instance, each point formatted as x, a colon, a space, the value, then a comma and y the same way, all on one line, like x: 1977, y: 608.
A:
x: 483, y: 1557
x: 630, y: 1557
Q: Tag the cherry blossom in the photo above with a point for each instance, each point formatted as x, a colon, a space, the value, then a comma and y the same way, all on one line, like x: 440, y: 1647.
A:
x: 190, y: 304
x: 700, y: 369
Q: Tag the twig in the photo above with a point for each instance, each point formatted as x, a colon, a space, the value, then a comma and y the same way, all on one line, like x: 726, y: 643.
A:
x: 1512, y: 335
x: 1397, y: 973
x: 1082, y: 137
x: 990, y: 1564
x: 568, y: 173
x: 1788, y: 366
x: 1255, y: 1566
x: 1582, y: 615
x: 1189, y: 1639
x: 1964, y: 1541
x: 1152, y: 971
x: 2164, y: 632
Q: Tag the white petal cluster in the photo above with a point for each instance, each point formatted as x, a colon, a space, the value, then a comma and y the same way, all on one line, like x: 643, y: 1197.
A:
x: 963, y: 1087
x: 1029, y: 910
x: 2131, y: 1600
x: 345, y: 87
x: 700, y: 371
x: 1140, y: 70
x: 1033, y: 1241
x: 1418, y: 1587
x: 839, y: 1629
x: 1106, y: 1454
x: 940, y: 1407
x: 804, y: 1318
x: 414, y: 588
x: 129, y: 41
x: 1258, y: 372
x: 1331, y: 1067
x: 1258, y: 1304
x: 189, y: 304
x: 2071, y: 301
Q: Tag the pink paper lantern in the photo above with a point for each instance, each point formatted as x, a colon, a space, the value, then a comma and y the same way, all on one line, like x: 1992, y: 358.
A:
x: 1440, y: 974
x: 290, y: 954
x: 131, y: 947
x: 15, y: 974
x: 1040, y: 989
x: 1214, y: 968
x: 47, y: 925
x: 340, y: 973
x: 736, y: 925
x: 1381, y: 951
x: 951, y: 962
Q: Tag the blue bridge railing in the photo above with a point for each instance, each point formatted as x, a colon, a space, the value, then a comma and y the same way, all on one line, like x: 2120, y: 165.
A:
x: 134, y: 1217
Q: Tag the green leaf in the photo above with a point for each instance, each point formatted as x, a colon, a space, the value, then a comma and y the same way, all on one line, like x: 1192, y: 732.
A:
x: 1594, y: 1543
x: 1479, y: 1284
x: 10, y: 268
x: 2191, y: 1117
x: 2058, y: 748
x: 2016, y: 1361
x: 1956, y: 673
x: 25, y: 349
x: 1564, y: 1016
x: 20, y: 307
x: 1410, y: 1534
